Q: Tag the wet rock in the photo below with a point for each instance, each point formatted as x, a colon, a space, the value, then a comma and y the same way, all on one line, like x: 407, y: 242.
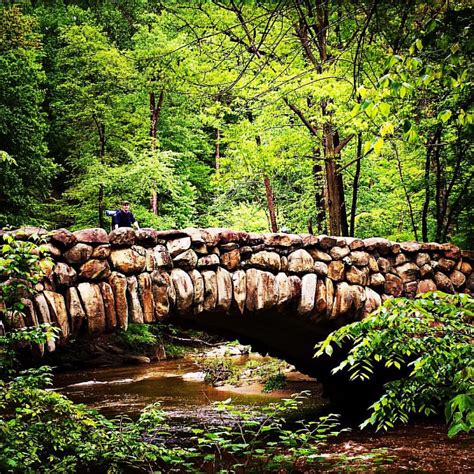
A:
x: 101, y: 252
x: 177, y: 246
x: 336, y: 270
x: 358, y: 276
x: 186, y: 260
x: 393, y: 285
x: 338, y: 253
x: 123, y: 237
x: 231, y: 260
x: 377, y: 280
x: 408, y: 272
x: 308, y: 294
x: 424, y: 286
x: 320, y: 268
x: 443, y: 283
x: 118, y: 283
x: 183, y: 286
x: 93, y: 306
x: 145, y: 295
x: 198, y: 285
x: 75, y: 310
x: 92, y: 236
x: 300, y: 261
x: 42, y: 311
x: 109, y: 305
x: 266, y: 261
x: 64, y: 275
x: 343, y: 300
x: 210, y: 290
x: 321, y: 304
x: 63, y: 237
x: 372, y: 302
x: 95, y: 270
x: 127, y: 261
x: 208, y: 261
x: 149, y: 260
x: 224, y: 290
x: 146, y: 237
x: 239, y: 284
x: 78, y: 254
x: 134, y: 308
x: 161, y: 282
x: 58, y: 313
x: 359, y: 258
x: 162, y: 258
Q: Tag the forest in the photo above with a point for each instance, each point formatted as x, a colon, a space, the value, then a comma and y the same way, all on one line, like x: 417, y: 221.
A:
x: 339, y: 117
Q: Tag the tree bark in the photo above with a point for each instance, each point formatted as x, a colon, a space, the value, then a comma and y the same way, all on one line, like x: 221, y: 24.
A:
x: 270, y: 204
x: 355, y: 185
x: 218, y: 148
x: 318, y: 183
x: 155, y: 111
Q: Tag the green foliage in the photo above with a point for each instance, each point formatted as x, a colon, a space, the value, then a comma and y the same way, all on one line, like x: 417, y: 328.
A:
x: 220, y: 369
x: 428, y: 341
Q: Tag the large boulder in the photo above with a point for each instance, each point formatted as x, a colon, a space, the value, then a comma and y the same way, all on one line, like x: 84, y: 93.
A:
x: 186, y: 260
x: 343, y: 300
x: 224, y: 290
x: 336, y: 270
x: 146, y: 237
x: 63, y: 237
x: 239, y: 283
x: 282, y: 240
x: 123, y: 237
x: 58, y: 313
x: 443, y: 283
x: 208, y: 261
x: 424, y: 286
x: 359, y: 258
x: 118, y: 283
x: 372, y: 302
x: 321, y: 303
x: 408, y: 272
x: 358, y: 275
x: 145, y: 295
x: 101, y: 252
x: 393, y: 285
x: 308, y: 294
x: 162, y: 302
x: 198, y: 285
x: 210, y: 290
x: 91, y: 298
x: 92, y: 236
x: 78, y: 254
x: 42, y: 312
x: 231, y: 260
x: 64, y: 275
x: 95, y: 270
x: 283, y: 288
x: 266, y: 261
x: 338, y: 253
x: 109, y: 305
x: 127, y: 261
x: 300, y: 261
x: 183, y: 286
x: 162, y: 258
x: 135, y: 309
x: 177, y: 246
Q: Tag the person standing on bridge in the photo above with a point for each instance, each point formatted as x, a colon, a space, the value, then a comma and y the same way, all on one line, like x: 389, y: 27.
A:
x: 124, y: 218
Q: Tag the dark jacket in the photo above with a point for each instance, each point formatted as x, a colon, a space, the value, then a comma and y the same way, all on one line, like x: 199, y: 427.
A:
x: 123, y: 219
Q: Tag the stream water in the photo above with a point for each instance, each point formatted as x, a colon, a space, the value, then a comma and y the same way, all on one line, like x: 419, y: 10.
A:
x: 419, y: 447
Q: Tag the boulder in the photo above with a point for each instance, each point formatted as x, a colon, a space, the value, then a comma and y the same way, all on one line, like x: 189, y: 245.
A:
x: 78, y: 254
x: 422, y: 259
x: 338, y: 253
x: 127, y: 261
x: 355, y: 244
x: 377, y: 280
x: 320, y: 268
x: 161, y: 298
x: 457, y: 278
x: 198, y: 285
x: 255, y: 239
x: 308, y: 294
x: 424, y: 286
x: 51, y: 250
x: 224, y: 290
x: 373, y: 265
x: 401, y: 258
x: 123, y: 237
x: 109, y: 305
x: 95, y: 270
x: 384, y: 265
x: 410, y: 247
x: 93, y: 306
x: 295, y: 287
x: 358, y: 276
x: 183, y: 286
x: 319, y: 255
x: 283, y: 287
x: 145, y: 294
x: 118, y: 283
x: 426, y: 271
x: 149, y: 260
x: 358, y: 299
x: 445, y: 264
x: 196, y: 235
x: 177, y: 246
x: 64, y: 275
x: 208, y: 261
x: 92, y: 236
x: 42, y: 312
x: 359, y: 258
x: 231, y: 260
x: 376, y: 243
x: 408, y: 272
x: 336, y: 270
x: 101, y: 252
x: 282, y: 240
x: 135, y: 310
x: 266, y: 261
x: 372, y: 302
x: 146, y: 237
x: 443, y: 283
x: 300, y: 261
x: 63, y: 237
x: 343, y: 300
x: 451, y: 250
x: 393, y: 285
x: 330, y: 295
x: 310, y: 240
x: 58, y: 313
x: 321, y: 301
x: 284, y: 263
x: 162, y: 258
x: 465, y: 267
x: 210, y: 290
x: 186, y: 260
x: 262, y: 291
x: 239, y: 284
x: 327, y: 242
x: 228, y: 247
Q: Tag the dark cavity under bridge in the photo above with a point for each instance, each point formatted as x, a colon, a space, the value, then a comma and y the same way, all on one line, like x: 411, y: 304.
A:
x: 281, y: 292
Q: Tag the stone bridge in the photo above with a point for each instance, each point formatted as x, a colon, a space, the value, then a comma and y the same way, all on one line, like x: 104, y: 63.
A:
x: 280, y: 292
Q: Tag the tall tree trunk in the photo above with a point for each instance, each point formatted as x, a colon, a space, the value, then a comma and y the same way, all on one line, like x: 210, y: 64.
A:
x: 318, y: 183
x: 355, y: 185
x: 218, y: 148
x: 270, y: 204
x: 155, y: 111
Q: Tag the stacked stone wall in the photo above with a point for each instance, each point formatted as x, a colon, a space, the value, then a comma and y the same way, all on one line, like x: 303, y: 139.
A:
x: 98, y: 282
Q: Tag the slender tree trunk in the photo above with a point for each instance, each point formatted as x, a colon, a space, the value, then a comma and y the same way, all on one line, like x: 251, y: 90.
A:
x: 270, y: 203
x: 102, y: 142
x: 355, y: 185
x: 218, y: 148
x: 155, y: 111
x: 318, y: 183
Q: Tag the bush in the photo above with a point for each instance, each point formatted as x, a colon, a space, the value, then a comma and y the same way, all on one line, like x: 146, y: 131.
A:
x: 430, y: 339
